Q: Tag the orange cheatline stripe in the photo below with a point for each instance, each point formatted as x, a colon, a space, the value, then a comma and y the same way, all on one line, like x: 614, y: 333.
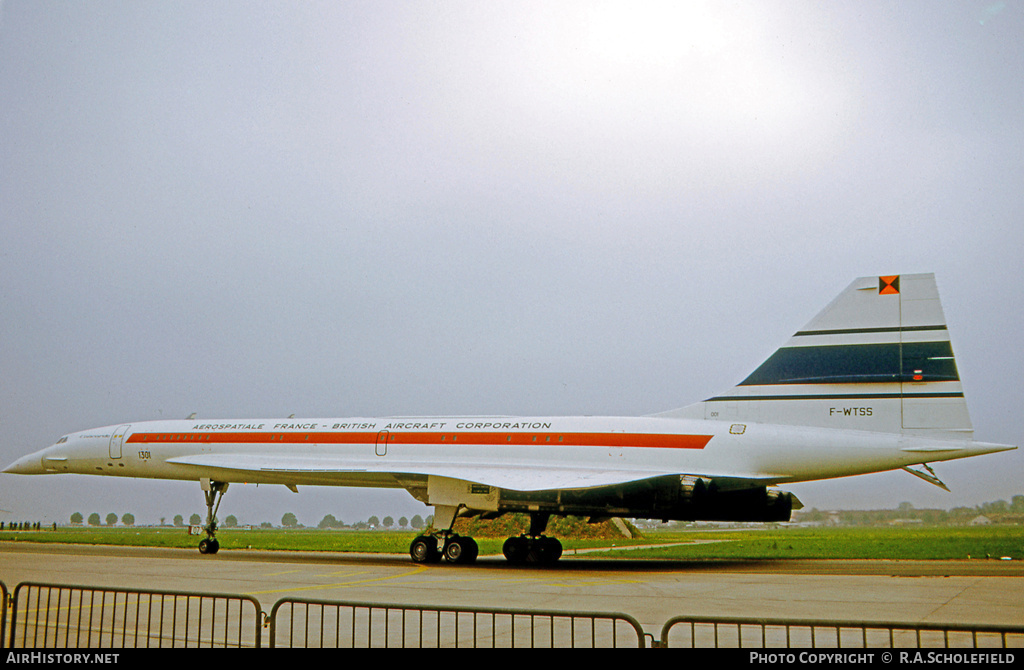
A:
x: 648, y: 440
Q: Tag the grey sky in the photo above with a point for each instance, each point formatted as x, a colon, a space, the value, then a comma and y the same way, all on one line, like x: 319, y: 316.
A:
x: 382, y: 208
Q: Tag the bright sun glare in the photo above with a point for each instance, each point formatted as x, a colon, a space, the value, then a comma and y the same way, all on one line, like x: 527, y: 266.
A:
x: 656, y: 32
x: 709, y: 74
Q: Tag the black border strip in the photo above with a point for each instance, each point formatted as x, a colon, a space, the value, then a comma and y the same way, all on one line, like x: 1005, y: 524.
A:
x: 842, y: 396
x: 858, y: 331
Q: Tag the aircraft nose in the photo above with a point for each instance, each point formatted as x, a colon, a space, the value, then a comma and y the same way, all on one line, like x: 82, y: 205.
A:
x: 27, y: 465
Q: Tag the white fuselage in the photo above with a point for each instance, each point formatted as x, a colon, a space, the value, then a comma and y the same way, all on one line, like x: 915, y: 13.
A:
x: 559, y: 452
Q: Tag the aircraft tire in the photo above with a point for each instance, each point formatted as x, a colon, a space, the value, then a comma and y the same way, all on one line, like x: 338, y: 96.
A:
x: 208, y: 546
x: 552, y: 550
x: 424, y: 550
x: 461, y: 550
x: 516, y: 550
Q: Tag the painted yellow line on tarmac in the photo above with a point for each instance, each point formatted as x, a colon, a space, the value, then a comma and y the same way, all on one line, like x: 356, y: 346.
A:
x: 634, y: 547
x: 347, y: 573
x: 339, y: 585
x: 541, y: 578
x: 595, y: 582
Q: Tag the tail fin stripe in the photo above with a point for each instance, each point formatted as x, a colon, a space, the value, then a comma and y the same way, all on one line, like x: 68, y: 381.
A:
x: 857, y: 364
x: 858, y: 331
x: 836, y: 396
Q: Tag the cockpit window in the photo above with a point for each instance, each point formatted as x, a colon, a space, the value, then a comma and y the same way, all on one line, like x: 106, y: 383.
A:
x: 62, y: 440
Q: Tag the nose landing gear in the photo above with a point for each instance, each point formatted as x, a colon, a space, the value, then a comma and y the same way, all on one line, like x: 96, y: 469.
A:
x: 214, y: 493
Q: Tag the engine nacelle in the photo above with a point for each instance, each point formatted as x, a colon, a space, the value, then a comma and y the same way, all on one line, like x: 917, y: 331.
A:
x: 703, y: 500
x: 680, y: 498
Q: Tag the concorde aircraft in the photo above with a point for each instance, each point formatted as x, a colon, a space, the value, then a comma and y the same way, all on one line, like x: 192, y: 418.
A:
x: 869, y: 385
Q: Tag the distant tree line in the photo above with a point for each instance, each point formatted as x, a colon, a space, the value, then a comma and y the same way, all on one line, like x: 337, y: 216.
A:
x: 999, y: 511
x: 111, y: 519
x: 388, y: 523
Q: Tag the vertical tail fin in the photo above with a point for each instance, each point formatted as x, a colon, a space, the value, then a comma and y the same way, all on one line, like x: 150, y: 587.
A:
x: 878, y: 357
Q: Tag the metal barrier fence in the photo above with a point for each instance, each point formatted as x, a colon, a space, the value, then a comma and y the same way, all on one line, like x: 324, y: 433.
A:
x: 317, y: 623
x: 749, y: 632
x: 3, y: 615
x: 50, y: 615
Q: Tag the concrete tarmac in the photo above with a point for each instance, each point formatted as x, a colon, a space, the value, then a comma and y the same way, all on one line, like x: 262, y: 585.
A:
x: 652, y: 591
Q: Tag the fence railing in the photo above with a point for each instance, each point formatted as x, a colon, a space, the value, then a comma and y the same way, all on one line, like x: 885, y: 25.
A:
x: 63, y: 616
x: 753, y: 632
x: 320, y: 623
x: 3, y: 615
x: 60, y: 616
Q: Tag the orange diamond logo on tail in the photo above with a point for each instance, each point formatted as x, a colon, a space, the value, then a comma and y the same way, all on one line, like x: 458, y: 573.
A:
x: 889, y: 285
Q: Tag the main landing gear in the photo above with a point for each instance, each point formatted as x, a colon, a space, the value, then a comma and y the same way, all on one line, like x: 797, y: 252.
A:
x: 449, y: 546
x: 214, y: 492
x: 532, y: 548
x: 445, y: 544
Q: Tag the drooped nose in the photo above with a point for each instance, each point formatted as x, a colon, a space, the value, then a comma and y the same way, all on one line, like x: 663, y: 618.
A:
x: 28, y: 465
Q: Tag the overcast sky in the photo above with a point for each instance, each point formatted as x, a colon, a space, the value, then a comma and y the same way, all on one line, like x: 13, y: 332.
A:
x: 255, y: 209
